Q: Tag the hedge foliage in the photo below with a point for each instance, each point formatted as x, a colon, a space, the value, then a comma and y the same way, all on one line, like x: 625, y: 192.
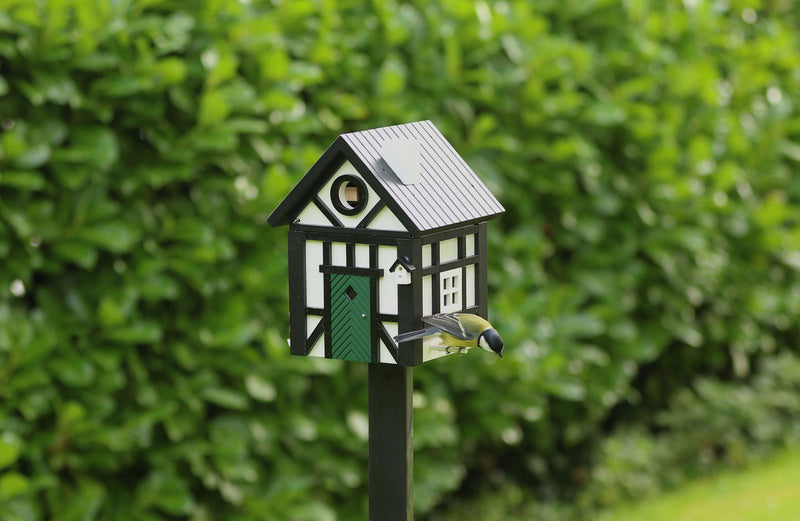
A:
x: 644, y: 150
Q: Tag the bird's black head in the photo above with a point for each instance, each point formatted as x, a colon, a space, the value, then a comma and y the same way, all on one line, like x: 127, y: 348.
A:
x: 491, y: 339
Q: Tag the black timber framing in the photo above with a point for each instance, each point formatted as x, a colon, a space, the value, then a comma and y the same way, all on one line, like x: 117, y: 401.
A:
x: 376, y: 209
x: 314, y: 336
x: 321, y: 233
x: 436, y: 283
x: 452, y: 233
x: 449, y: 265
x: 482, y: 291
x: 326, y: 212
x: 409, y: 303
x: 297, y: 293
x: 462, y: 254
x: 387, y: 339
x: 318, y: 312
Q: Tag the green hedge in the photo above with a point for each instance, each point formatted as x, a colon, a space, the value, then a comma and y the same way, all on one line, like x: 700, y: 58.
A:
x: 644, y: 151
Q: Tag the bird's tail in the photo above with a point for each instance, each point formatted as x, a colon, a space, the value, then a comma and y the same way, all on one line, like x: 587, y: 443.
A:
x: 413, y: 335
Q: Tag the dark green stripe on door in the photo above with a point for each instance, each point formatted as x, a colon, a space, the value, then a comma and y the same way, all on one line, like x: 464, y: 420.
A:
x: 350, y: 317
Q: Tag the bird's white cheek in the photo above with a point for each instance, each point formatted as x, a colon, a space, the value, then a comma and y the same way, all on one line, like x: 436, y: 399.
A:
x: 482, y: 343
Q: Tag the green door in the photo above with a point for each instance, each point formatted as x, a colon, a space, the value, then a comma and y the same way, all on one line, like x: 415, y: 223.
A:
x: 350, y: 318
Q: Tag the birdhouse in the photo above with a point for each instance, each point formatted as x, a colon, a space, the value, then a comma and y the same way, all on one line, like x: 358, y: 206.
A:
x: 388, y: 226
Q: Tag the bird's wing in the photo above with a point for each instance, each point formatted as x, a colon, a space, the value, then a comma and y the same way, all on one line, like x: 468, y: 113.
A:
x: 448, y: 323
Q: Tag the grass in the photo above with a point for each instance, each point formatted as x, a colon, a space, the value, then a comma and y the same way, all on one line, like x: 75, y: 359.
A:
x: 767, y: 492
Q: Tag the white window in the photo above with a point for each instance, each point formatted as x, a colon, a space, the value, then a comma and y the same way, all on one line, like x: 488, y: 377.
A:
x: 450, y: 291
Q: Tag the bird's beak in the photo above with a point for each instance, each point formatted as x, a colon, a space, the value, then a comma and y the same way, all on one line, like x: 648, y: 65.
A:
x: 500, y: 355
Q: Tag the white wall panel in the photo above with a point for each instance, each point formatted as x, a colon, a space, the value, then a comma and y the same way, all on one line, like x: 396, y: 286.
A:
x: 338, y: 254
x: 448, y: 250
x: 362, y: 255
x: 469, y: 285
x: 427, y: 295
x: 387, y: 285
x: 315, y: 297
x: 386, y: 220
x: 312, y: 216
x: 470, y: 245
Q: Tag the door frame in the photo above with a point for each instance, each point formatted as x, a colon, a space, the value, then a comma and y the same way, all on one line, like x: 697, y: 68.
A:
x: 374, y: 275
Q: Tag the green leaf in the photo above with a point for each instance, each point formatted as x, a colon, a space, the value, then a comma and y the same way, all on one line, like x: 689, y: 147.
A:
x: 214, y: 108
x: 28, y: 181
x: 73, y: 369
x: 141, y: 332
x: 168, y: 492
x: 604, y: 114
x: 13, y: 484
x: 9, y: 450
x: 260, y: 388
x: 95, y: 146
x: 81, y: 253
x: 115, y: 235
x: 34, y: 156
x: 226, y: 398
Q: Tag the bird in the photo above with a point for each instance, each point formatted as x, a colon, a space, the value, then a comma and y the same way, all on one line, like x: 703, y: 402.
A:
x: 462, y: 331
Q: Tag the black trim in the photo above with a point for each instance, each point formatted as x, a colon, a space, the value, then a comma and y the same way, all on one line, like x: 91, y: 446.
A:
x: 350, y: 270
x: 373, y: 256
x: 326, y: 252
x: 350, y: 249
x: 342, y: 206
x: 297, y: 293
x: 385, y: 338
x: 449, y: 265
x: 326, y: 211
x: 319, y: 329
x: 322, y: 233
x: 436, y: 284
x: 482, y: 289
x: 462, y: 254
x: 383, y: 317
x: 326, y: 318
x: 380, y: 205
x: 409, y: 304
x: 373, y: 314
x: 452, y: 233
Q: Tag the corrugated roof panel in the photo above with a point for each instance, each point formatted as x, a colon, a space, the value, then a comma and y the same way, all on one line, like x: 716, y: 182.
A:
x: 448, y: 192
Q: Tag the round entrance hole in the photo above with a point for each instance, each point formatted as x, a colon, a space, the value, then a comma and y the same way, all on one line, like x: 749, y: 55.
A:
x: 349, y: 195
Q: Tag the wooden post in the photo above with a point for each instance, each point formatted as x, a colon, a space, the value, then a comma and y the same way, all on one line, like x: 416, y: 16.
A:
x: 391, y: 443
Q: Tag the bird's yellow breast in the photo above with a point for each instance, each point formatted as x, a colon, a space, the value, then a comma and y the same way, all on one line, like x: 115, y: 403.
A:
x: 450, y: 340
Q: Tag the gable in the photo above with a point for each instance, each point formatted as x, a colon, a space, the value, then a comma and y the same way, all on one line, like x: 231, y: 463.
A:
x: 346, y: 199
x: 434, y: 190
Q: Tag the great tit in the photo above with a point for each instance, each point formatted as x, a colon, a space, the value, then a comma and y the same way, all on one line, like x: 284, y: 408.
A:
x: 458, y: 330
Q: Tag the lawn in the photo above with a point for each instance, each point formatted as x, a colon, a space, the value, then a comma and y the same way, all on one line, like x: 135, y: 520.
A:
x: 767, y: 492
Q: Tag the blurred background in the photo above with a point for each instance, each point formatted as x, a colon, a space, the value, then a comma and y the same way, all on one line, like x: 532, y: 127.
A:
x: 645, y: 277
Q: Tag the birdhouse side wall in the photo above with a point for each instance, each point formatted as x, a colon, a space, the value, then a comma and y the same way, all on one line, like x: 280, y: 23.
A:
x: 452, y: 275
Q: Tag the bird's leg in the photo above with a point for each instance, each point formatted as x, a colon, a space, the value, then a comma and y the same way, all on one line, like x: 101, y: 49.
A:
x: 461, y: 350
